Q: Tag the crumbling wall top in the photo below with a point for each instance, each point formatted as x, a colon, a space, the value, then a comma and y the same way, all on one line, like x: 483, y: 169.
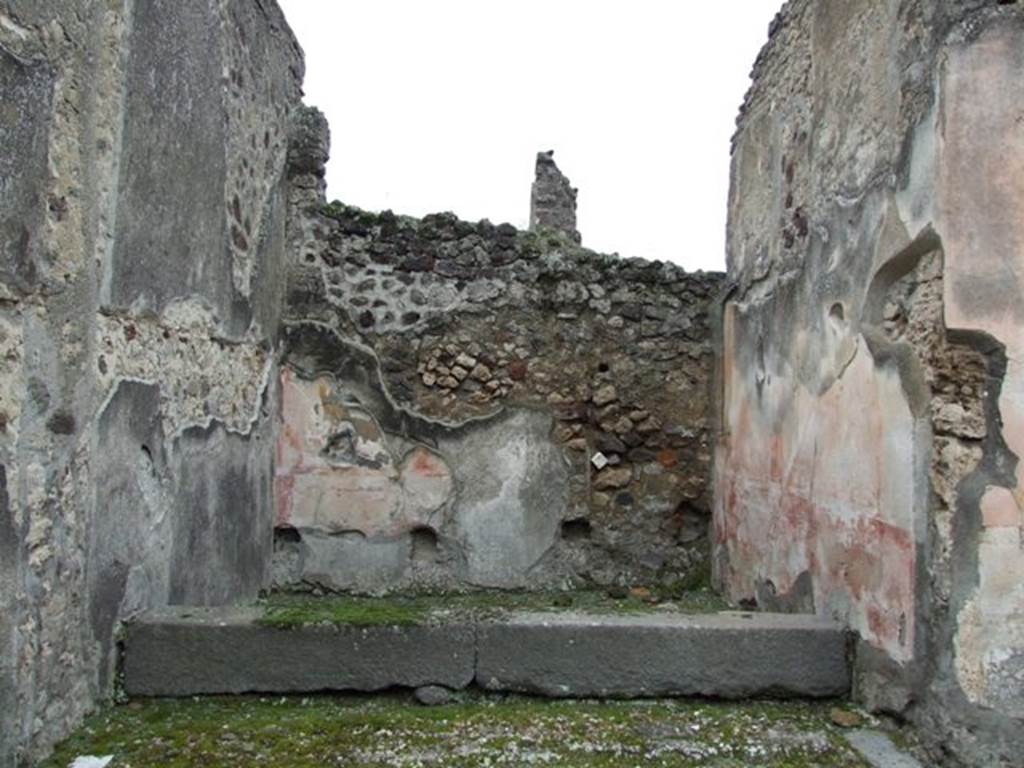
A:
x: 553, y: 198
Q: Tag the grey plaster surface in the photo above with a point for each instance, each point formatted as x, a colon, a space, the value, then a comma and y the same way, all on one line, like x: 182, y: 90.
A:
x: 26, y: 88
x: 173, y: 224
x: 514, y: 482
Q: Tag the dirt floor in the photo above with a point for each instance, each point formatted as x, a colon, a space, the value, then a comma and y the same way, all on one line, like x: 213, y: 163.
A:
x: 472, y: 730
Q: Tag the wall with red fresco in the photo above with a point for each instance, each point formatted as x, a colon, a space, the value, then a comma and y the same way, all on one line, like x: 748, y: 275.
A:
x: 827, y: 496
x: 871, y: 410
x: 352, y: 484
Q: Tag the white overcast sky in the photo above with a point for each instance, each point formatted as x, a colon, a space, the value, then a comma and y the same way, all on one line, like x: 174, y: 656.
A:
x: 442, y: 105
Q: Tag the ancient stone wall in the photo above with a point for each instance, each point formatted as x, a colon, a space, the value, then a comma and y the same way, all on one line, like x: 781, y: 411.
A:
x: 867, y: 466
x: 552, y: 199
x: 142, y: 204
x: 468, y: 405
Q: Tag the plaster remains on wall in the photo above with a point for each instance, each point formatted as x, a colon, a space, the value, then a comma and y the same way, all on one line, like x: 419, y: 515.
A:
x: 202, y: 378
x: 212, y: 382
x: 869, y: 462
x: 475, y: 330
x: 339, y: 475
x: 136, y: 363
x: 980, y: 199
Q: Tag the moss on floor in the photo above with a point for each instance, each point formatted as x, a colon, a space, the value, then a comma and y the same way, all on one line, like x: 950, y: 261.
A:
x: 291, y: 610
x: 476, y: 731
x: 285, y: 611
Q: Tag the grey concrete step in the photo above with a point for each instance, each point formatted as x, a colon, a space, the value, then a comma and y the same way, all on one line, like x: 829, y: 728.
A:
x: 202, y: 651
x: 730, y: 655
x: 726, y: 655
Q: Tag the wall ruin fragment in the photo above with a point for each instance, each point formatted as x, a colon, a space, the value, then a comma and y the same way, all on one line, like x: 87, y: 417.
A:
x: 142, y: 204
x: 484, y: 368
x: 198, y: 352
x: 867, y: 467
x: 161, y: 192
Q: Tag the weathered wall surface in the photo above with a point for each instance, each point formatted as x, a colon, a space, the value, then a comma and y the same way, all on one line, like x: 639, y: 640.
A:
x: 871, y: 383
x: 552, y: 199
x: 142, y: 204
x: 447, y: 385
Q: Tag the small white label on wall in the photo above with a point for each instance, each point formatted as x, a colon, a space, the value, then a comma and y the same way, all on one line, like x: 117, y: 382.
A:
x: 599, y: 460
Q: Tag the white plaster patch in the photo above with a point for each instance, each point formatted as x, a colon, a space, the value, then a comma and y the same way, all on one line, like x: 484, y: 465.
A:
x: 990, y: 637
x: 427, y: 484
x: 9, y: 25
x: 202, y: 378
x: 495, y: 529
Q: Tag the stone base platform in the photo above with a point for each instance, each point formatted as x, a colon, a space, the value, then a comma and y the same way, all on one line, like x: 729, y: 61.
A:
x: 724, y: 655
x: 730, y: 655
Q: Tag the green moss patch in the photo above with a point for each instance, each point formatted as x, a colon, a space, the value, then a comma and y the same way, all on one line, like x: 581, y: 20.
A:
x: 285, y: 611
x: 478, y: 731
x: 294, y: 610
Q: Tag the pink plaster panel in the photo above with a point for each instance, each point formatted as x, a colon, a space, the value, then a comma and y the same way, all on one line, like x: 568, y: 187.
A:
x: 999, y: 509
x: 365, y: 492
x: 345, y: 499
x: 824, y: 493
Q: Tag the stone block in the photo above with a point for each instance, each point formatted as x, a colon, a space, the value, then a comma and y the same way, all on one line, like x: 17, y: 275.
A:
x: 182, y: 652
x: 727, y: 655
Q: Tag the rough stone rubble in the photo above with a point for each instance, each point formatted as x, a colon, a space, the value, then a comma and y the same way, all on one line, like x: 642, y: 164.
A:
x: 553, y: 199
